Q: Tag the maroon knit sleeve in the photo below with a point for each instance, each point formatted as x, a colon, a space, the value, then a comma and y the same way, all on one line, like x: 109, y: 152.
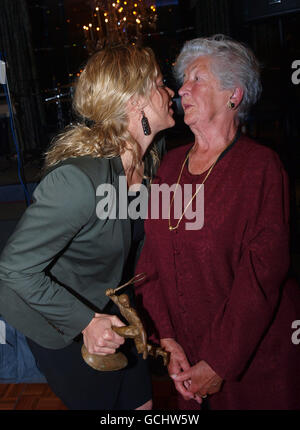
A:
x: 246, y: 316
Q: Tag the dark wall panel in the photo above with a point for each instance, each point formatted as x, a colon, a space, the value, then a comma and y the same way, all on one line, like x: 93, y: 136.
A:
x: 257, y: 9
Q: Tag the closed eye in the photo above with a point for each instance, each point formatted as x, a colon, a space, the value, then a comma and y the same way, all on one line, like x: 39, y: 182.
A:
x: 161, y: 83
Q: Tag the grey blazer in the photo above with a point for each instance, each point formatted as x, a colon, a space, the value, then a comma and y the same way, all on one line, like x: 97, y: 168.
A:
x: 56, y: 266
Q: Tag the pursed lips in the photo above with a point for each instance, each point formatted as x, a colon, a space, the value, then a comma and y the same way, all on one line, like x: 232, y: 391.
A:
x: 186, y: 106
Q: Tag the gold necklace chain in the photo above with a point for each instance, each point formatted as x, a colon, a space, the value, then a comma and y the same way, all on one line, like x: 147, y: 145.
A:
x: 171, y: 228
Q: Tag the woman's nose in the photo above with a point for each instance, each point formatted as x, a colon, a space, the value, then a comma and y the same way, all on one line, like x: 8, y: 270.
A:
x: 183, y: 89
x: 171, y: 92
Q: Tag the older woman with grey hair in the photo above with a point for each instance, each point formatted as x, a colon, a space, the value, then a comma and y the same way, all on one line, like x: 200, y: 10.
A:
x: 217, y: 289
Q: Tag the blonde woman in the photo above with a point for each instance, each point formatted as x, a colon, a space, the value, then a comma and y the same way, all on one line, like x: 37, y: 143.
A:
x: 63, y: 255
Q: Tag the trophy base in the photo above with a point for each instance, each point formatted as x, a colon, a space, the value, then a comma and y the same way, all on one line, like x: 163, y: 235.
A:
x: 105, y: 363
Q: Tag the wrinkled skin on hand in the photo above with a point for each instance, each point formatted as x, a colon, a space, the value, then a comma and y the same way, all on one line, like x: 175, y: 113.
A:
x: 192, y: 382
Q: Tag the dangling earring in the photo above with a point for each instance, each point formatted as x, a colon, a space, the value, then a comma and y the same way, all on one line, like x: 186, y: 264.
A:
x: 230, y: 104
x: 145, y: 125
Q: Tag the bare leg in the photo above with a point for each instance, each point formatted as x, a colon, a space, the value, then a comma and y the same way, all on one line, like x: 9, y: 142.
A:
x: 146, y: 406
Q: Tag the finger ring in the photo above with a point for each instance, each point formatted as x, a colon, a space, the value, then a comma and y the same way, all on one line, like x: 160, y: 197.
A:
x: 204, y: 397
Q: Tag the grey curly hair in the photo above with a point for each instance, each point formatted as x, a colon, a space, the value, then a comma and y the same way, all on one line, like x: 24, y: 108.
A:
x: 233, y: 63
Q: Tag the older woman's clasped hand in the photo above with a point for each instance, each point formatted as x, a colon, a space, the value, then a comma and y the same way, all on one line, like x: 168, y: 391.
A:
x: 200, y: 379
x: 192, y: 382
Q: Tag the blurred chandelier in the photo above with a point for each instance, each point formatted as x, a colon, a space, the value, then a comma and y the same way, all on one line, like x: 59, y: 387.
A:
x: 119, y: 21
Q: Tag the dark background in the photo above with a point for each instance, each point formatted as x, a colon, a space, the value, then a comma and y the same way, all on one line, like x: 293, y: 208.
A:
x: 43, y: 45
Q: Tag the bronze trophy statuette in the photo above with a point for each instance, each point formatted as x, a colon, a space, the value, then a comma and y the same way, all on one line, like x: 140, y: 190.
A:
x: 135, y: 330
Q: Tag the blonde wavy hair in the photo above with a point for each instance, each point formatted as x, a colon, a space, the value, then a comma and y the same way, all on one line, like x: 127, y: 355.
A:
x: 110, y: 78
